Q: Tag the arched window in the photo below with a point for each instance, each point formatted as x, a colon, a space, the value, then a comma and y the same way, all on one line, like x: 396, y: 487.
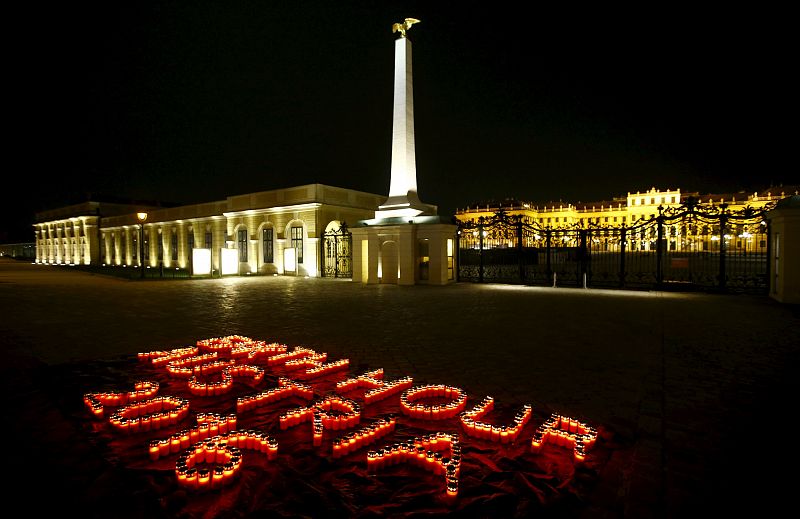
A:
x: 242, y: 241
x: 267, y: 244
x: 297, y: 242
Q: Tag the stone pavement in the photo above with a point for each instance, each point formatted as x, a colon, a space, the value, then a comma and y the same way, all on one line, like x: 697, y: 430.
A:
x: 697, y: 389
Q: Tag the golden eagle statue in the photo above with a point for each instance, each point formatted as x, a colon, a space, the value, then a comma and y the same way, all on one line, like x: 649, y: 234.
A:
x: 403, y: 27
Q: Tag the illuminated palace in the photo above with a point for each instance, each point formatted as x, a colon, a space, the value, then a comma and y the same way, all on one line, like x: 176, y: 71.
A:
x: 627, y: 211
x: 270, y: 232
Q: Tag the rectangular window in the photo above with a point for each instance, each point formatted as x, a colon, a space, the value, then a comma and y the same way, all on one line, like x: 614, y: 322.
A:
x: 242, y: 240
x: 174, y: 246
x: 190, y: 240
x: 652, y: 201
x: 673, y: 199
x: 606, y: 219
x: 266, y: 237
x: 297, y: 242
x: 642, y: 201
x: 160, y: 248
x: 208, y: 239
x: 122, y: 251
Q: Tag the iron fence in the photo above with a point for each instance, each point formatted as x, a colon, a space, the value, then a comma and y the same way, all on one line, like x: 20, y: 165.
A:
x: 682, y: 248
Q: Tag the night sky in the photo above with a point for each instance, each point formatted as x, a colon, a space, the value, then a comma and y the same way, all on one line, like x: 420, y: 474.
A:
x: 188, y: 102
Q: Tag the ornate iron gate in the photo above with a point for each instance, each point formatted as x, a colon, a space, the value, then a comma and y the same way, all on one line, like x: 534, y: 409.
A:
x: 337, y: 253
x: 683, y: 248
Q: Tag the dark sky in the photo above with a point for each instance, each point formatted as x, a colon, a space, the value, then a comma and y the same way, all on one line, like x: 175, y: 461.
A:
x: 194, y: 101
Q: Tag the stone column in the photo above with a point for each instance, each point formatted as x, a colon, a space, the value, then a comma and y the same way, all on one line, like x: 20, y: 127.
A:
x: 403, y: 199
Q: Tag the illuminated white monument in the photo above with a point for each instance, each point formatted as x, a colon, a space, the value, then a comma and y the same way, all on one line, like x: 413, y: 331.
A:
x: 406, y: 243
x: 403, y: 200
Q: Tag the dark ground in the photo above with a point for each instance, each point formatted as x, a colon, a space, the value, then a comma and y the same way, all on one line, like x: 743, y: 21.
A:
x: 693, y: 394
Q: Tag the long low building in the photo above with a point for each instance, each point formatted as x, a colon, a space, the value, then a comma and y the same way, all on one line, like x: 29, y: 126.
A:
x: 270, y: 232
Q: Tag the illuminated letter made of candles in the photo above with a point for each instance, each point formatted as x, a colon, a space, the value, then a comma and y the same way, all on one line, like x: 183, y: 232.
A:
x: 473, y: 426
x: 208, y: 425
x: 147, y: 415
x: 216, y: 462
x: 364, y: 436
x: 159, y: 358
x: 141, y: 390
x: 436, y: 411
x: 313, y: 365
x: 229, y: 371
x: 565, y: 432
x: 377, y: 388
x: 286, y: 388
x: 321, y: 413
x: 184, y: 367
x: 239, y: 347
x: 425, y: 452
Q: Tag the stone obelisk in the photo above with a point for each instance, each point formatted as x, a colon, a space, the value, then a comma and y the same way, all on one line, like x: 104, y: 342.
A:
x: 403, y: 200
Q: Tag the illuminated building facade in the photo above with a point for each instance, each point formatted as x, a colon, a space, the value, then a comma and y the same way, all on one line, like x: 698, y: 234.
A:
x: 269, y: 232
x: 631, y: 210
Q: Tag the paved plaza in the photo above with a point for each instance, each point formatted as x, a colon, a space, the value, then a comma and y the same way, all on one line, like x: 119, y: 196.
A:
x: 694, y: 392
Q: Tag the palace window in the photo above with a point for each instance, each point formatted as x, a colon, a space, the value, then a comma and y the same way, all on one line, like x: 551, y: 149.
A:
x: 208, y: 239
x: 190, y: 241
x: 174, y: 246
x: 242, y: 240
x: 297, y: 242
x: 266, y: 237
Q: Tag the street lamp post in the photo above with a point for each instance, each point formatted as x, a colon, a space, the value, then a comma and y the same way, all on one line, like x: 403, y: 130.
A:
x: 142, y: 216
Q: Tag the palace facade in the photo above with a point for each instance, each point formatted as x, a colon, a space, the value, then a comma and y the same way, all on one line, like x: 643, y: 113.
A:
x: 270, y: 232
x: 631, y: 211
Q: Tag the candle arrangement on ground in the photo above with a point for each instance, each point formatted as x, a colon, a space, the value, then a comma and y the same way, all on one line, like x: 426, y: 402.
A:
x: 435, y: 411
x: 216, y: 462
x: 229, y: 371
x: 473, y: 426
x: 364, y: 436
x: 333, y: 412
x: 159, y: 358
x: 377, y: 388
x: 208, y: 425
x: 286, y: 388
x: 565, y: 432
x: 209, y: 453
x: 141, y: 390
x: 424, y: 451
x: 152, y: 414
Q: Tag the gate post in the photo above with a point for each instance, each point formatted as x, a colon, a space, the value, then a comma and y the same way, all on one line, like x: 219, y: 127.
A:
x: 723, y: 220
x: 623, y: 246
x: 519, y: 250
x: 660, y: 248
x: 547, y: 233
x: 583, y: 251
x: 322, y: 254
x: 457, y: 254
x: 480, y: 243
